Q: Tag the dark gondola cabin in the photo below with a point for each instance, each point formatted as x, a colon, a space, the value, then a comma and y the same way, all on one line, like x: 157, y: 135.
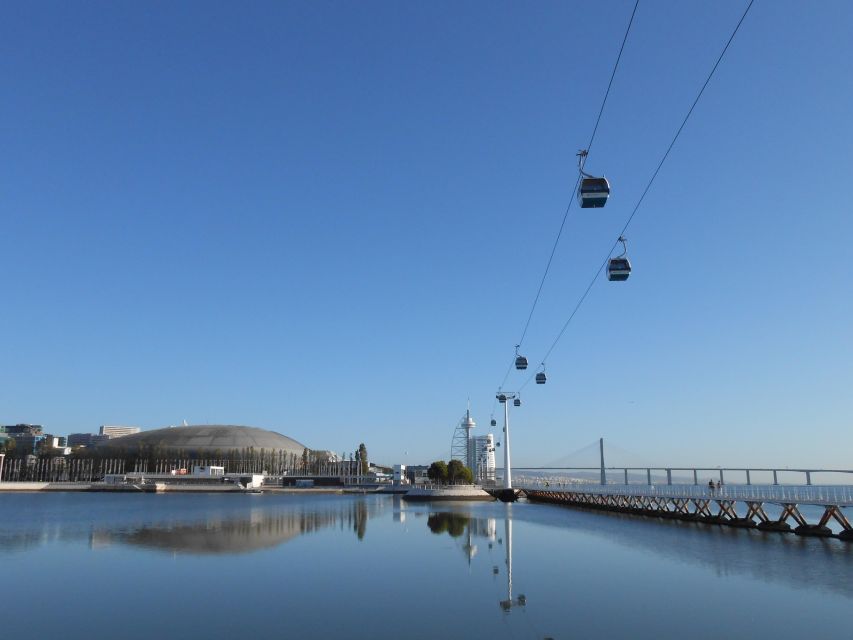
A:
x: 520, y: 362
x: 593, y: 192
x: 541, y: 378
x: 517, y: 402
x: 618, y: 269
x: 501, y: 398
x: 494, y: 422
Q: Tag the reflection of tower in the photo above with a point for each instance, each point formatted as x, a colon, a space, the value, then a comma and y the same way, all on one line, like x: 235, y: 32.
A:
x: 460, y: 448
x: 509, y: 603
x: 469, y: 547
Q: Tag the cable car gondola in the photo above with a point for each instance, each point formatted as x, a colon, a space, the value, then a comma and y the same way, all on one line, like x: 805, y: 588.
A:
x: 541, y: 377
x: 593, y: 192
x: 619, y: 268
x: 501, y: 398
x: 520, y: 361
x: 517, y: 402
x: 494, y: 422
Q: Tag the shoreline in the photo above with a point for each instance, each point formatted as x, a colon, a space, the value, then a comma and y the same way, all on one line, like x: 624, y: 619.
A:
x: 95, y: 487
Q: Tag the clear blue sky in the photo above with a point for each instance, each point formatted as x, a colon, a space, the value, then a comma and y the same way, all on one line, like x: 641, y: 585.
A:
x: 329, y: 219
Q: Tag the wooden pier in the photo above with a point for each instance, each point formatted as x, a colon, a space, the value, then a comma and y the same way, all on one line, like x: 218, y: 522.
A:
x: 742, y: 506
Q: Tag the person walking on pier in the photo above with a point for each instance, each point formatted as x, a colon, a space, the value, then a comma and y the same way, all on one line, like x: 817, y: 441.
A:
x: 711, y: 486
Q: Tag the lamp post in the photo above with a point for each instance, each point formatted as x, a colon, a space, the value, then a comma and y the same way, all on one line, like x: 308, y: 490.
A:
x: 2, y: 458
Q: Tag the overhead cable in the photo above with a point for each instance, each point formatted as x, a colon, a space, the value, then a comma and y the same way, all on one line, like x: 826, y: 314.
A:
x: 646, y: 190
x: 572, y: 199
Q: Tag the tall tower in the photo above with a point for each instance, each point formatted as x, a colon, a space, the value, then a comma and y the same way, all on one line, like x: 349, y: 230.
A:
x: 461, y: 447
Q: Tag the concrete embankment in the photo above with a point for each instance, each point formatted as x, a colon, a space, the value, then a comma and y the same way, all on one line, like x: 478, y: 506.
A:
x: 45, y: 486
x: 101, y: 487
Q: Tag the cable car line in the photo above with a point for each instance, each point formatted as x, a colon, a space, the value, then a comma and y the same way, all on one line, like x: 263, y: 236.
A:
x: 645, y: 192
x: 577, y: 184
x: 571, y: 201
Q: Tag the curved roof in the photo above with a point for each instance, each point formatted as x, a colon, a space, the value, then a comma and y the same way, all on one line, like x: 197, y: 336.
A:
x: 207, y: 437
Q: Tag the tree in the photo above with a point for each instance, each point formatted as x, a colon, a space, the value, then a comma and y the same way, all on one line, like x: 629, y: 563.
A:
x: 458, y: 472
x: 451, y: 523
x: 9, y: 446
x: 305, y: 461
x: 437, y: 471
x: 362, y: 458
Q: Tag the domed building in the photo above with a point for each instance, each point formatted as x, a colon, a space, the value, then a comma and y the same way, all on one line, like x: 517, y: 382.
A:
x: 204, y: 440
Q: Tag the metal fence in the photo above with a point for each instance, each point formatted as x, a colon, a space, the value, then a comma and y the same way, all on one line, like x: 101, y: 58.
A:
x: 839, y: 495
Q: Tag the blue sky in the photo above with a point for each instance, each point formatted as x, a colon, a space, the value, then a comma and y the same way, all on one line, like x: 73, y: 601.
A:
x: 330, y: 219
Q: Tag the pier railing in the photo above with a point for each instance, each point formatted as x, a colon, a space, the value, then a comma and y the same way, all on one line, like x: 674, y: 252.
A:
x: 701, y: 475
x: 839, y: 495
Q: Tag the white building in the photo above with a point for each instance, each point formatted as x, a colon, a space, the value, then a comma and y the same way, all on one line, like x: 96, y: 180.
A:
x: 400, y: 474
x: 482, y: 450
x: 116, y: 431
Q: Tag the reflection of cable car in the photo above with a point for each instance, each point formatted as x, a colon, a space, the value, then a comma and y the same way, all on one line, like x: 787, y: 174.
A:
x: 619, y: 268
x: 593, y: 192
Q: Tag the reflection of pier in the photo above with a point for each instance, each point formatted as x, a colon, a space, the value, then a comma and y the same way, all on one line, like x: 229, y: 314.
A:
x: 731, y: 505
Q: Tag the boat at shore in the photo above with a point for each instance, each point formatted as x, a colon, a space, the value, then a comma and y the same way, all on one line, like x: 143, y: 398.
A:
x: 451, y: 492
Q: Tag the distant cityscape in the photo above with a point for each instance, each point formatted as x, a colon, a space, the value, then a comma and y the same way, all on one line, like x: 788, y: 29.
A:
x: 31, y: 438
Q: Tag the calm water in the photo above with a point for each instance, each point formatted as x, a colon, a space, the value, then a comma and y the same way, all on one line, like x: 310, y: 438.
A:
x: 264, y: 566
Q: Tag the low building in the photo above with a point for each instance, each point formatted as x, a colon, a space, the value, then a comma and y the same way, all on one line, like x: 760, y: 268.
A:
x: 114, y: 431
x: 27, y: 443
x: 23, y: 430
x: 400, y: 474
x: 86, y: 439
x: 417, y: 474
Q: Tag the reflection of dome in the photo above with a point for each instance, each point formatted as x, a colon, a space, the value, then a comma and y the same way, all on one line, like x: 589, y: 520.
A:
x: 205, y: 438
x: 230, y: 536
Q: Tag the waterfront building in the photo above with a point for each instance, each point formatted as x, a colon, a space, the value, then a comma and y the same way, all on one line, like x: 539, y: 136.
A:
x: 23, y: 430
x: 85, y: 439
x: 213, y: 440
x: 117, y: 431
x: 26, y: 436
x: 27, y: 443
x: 483, y: 455
x: 400, y: 474
x: 417, y: 473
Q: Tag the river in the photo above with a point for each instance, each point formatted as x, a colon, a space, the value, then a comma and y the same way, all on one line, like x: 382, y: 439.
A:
x: 83, y: 565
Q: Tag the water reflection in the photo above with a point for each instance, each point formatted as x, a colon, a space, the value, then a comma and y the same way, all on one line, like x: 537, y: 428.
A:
x: 727, y: 551
x: 224, y: 529
x: 456, y: 524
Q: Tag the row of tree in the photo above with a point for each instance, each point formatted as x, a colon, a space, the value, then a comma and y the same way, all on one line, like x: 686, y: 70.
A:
x: 453, y: 472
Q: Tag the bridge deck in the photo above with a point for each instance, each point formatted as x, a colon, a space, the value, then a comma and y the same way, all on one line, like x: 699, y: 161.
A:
x: 821, y: 495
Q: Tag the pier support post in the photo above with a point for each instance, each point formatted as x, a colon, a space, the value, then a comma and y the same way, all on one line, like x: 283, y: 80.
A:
x: 669, y: 476
x: 626, y: 477
x: 695, y: 477
x: 649, y: 476
x: 808, y: 478
x: 747, y: 477
x: 775, y: 477
x: 721, y: 477
x: 601, y: 449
